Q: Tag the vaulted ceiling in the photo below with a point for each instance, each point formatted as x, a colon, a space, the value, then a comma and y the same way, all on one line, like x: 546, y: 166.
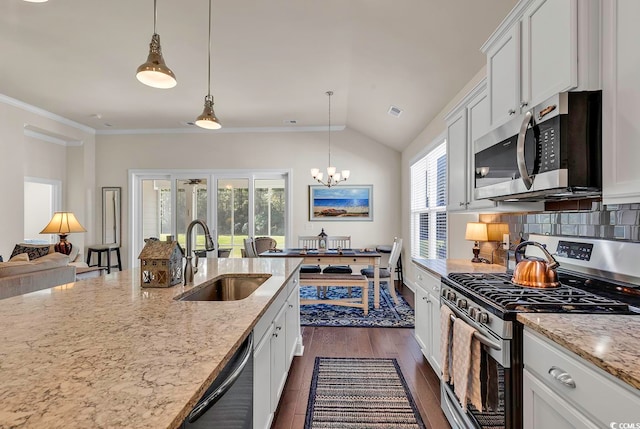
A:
x: 272, y: 61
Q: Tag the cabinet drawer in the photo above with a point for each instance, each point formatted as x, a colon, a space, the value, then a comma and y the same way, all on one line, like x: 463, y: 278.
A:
x: 428, y: 282
x: 265, y: 321
x: 595, y: 392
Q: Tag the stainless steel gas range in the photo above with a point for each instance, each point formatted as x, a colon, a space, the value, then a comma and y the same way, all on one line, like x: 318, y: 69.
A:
x: 596, y: 276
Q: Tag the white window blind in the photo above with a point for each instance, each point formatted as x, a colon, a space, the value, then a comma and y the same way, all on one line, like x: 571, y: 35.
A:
x: 429, y: 204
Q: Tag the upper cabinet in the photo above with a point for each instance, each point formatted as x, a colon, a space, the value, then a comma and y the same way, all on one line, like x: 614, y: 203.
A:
x: 534, y: 55
x: 621, y: 102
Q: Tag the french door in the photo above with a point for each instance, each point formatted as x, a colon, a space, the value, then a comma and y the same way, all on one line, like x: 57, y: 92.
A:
x: 234, y: 204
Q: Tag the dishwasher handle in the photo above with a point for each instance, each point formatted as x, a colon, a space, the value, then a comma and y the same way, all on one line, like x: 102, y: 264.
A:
x: 210, y: 400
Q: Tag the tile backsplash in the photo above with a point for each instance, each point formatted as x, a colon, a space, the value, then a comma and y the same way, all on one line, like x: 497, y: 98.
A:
x: 610, y: 222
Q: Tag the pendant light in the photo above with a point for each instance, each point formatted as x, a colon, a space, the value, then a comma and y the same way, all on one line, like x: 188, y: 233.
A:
x: 333, y: 178
x: 155, y: 72
x: 208, y: 117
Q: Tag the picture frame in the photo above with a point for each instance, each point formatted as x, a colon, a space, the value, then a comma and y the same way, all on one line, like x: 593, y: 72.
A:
x: 341, y: 203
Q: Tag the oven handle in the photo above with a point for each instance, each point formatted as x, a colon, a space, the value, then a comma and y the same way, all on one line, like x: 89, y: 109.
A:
x: 480, y: 337
x: 522, y: 164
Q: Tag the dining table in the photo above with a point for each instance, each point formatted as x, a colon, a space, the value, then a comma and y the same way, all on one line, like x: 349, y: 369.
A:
x: 337, y: 257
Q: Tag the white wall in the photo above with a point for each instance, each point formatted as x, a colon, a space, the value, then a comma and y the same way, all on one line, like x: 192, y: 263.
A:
x: 369, y: 161
x: 28, y: 156
x: 457, y: 246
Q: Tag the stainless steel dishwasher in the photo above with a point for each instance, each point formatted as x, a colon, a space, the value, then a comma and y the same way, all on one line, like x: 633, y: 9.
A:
x: 228, y: 402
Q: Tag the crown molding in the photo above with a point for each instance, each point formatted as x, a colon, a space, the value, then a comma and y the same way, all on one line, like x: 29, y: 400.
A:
x: 238, y: 130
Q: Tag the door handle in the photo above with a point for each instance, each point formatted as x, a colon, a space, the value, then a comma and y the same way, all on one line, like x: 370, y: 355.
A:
x: 562, y: 376
x: 522, y: 163
x: 512, y: 112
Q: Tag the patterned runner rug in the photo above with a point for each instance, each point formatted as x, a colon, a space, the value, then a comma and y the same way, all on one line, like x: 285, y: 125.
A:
x: 388, y: 315
x: 350, y: 393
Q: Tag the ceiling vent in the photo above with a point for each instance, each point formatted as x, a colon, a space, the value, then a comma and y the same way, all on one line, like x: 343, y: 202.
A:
x: 395, y: 111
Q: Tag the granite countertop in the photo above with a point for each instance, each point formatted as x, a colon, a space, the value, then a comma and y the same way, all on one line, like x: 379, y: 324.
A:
x: 442, y: 267
x: 608, y: 341
x: 104, y: 352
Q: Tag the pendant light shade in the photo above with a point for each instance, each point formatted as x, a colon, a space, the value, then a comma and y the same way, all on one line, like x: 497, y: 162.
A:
x: 154, y: 72
x: 208, y: 118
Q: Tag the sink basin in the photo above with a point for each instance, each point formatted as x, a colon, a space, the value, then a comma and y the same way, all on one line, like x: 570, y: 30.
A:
x: 228, y: 287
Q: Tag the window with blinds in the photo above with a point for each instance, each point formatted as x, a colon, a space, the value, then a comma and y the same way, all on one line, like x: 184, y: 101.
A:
x: 429, y: 204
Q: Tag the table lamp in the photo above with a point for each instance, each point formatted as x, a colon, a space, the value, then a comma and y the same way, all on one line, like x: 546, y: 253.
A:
x: 63, y: 223
x: 476, y: 231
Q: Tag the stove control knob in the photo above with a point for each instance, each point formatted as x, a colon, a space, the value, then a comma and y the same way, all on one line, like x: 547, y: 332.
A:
x: 482, y: 317
x: 473, y: 312
x: 462, y: 303
x: 451, y: 296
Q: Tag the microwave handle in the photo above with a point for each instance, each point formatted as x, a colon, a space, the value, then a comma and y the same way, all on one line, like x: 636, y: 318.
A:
x: 522, y: 164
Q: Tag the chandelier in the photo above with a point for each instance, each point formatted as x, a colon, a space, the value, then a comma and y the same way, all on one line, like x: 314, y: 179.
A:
x: 333, y: 178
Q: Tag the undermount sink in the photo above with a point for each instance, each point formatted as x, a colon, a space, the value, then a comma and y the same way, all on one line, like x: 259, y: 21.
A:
x: 229, y: 287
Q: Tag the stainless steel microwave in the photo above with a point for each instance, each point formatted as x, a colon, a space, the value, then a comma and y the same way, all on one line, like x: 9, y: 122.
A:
x: 551, y: 152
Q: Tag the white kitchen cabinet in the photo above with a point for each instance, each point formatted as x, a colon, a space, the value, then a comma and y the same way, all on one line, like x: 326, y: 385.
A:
x: 276, y: 340
x: 279, y: 360
x: 543, y: 47
x: 262, y: 409
x: 427, y: 322
x: 621, y: 102
x: 563, y: 390
x: 466, y: 122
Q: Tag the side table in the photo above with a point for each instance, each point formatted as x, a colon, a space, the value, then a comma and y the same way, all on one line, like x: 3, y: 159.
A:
x: 104, y: 248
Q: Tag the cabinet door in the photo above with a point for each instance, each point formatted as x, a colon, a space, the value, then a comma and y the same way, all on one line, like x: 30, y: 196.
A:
x: 477, y: 126
x: 423, y: 320
x: 292, y: 333
x: 503, y: 72
x: 278, y: 357
x: 543, y: 408
x: 434, y: 357
x: 549, y: 50
x: 621, y: 103
x: 457, y: 162
x: 262, y: 410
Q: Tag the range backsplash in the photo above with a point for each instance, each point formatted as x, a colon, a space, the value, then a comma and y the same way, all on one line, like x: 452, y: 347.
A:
x: 610, y: 222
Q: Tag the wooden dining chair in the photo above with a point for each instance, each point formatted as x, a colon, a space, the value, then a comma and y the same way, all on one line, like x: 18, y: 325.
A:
x: 388, y: 274
x: 310, y: 242
x: 249, y: 248
x: 343, y: 242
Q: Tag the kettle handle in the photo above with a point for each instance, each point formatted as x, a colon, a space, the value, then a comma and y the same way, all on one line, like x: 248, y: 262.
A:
x: 550, y: 259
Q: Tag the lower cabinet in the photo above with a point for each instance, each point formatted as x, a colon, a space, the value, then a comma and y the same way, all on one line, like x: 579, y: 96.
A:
x: 563, y: 390
x: 427, y: 322
x: 277, y: 339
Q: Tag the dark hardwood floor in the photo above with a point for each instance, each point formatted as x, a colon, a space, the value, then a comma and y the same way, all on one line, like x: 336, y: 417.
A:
x: 396, y: 343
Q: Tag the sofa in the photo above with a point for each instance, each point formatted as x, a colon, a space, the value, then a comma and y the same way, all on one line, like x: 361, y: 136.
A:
x: 34, y: 267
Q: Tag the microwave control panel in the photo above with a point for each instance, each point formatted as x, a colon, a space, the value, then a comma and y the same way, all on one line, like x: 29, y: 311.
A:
x: 549, y: 145
x: 574, y: 250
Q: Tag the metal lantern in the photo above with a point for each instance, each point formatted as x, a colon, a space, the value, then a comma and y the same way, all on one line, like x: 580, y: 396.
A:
x: 161, y: 263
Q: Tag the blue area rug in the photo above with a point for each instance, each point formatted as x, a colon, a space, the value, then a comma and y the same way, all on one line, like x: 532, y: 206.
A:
x: 388, y: 315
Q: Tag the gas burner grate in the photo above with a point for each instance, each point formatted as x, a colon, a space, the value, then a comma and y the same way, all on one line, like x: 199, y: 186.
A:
x: 501, y: 292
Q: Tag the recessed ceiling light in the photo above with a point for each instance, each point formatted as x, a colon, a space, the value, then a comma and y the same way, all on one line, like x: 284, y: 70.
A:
x: 395, y: 111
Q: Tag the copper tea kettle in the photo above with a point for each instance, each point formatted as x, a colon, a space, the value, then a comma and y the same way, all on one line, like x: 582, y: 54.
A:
x: 535, y: 272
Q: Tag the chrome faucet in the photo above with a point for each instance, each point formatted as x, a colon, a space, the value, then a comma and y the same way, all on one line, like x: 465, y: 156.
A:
x: 209, y: 246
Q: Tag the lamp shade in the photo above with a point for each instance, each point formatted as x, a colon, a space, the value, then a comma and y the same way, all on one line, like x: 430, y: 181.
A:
x: 496, y: 231
x: 63, y: 223
x: 476, y: 231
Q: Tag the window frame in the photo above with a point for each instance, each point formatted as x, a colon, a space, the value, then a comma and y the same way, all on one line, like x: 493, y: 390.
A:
x: 421, y: 205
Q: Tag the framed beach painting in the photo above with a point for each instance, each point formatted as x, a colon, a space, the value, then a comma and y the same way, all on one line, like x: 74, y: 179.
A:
x: 341, y: 203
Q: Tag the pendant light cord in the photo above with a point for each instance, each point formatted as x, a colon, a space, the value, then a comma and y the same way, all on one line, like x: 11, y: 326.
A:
x: 329, y: 93
x: 209, y: 78
x: 155, y: 15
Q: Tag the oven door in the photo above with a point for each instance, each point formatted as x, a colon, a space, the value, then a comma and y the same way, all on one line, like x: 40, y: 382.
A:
x: 498, y: 390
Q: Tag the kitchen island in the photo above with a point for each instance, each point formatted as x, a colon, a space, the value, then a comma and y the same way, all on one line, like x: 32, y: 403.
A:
x: 106, y: 353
